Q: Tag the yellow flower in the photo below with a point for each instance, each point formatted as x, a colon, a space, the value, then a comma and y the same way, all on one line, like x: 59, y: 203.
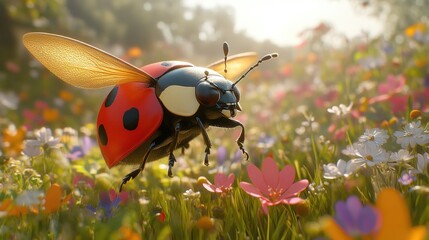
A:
x: 415, y: 28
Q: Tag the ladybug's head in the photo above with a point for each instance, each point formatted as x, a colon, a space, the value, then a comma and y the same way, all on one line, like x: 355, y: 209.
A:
x: 219, y: 95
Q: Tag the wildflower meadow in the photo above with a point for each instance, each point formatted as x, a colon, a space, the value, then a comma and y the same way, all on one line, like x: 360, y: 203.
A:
x: 337, y: 138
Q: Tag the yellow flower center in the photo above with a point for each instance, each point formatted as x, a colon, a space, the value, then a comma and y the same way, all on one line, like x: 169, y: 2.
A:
x: 369, y: 158
x: 275, y: 193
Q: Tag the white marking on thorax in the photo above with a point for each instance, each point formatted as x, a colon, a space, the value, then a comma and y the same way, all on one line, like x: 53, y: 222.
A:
x: 180, y: 100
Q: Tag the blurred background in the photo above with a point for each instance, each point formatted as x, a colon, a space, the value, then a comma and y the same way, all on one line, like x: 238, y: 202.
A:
x: 143, y: 32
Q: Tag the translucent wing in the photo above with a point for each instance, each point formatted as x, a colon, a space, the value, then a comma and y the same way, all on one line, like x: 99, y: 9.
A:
x: 235, y: 64
x: 80, y: 64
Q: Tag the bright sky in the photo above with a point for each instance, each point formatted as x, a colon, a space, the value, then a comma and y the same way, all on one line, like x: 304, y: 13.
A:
x: 282, y: 20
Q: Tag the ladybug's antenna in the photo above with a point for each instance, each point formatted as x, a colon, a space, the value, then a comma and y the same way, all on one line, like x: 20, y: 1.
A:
x: 225, y: 52
x: 264, y: 58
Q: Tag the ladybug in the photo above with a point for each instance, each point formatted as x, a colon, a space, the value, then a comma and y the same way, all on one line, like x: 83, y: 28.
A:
x: 153, y: 110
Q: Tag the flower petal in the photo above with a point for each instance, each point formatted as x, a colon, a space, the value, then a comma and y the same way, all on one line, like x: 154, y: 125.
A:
x: 343, y: 217
x: 270, y: 170
x: 287, y: 175
x: 220, y: 179
x: 368, y: 220
x: 230, y: 180
x: 264, y: 207
x: 250, y: 189
x: 334, y: 231
x: 209, y: 187
x: 354, y: 207
x: 257, y: 178
x: 395, y: 214
x: 292, y: 201
x: 295, y: 189
x: 53, y: 198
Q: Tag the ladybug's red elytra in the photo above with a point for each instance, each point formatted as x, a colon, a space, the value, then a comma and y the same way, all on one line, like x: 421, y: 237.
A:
x: 153, y: 110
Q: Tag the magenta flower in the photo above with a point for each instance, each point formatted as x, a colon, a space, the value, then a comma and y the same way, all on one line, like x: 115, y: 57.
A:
x: 222, y: 183
x: 272, y: 186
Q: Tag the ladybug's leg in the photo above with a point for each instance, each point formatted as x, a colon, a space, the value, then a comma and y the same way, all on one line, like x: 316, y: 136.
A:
x: 232, y: 123
x: 206, y: 141
x: 172, y: 158
x: 136, y: 172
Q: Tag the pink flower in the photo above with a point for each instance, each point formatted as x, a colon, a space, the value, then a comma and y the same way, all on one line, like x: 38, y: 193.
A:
x: 393, y: 84
x: 387, y: 90
x: 272, y: 186
x: 222, y: 183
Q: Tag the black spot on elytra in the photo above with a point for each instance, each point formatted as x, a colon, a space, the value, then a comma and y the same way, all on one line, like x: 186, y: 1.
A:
x: 131, y: 119
x: 111, y: 97
x: 166, y: 64
x: 102, y: 135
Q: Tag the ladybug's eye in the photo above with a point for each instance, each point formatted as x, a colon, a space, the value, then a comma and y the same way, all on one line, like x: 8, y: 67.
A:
x: 207, y: 94
x: 236, y: 93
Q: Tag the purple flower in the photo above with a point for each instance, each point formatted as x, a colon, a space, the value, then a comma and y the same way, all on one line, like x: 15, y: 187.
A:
x: 75, y: 153
x: 109, y: 201
x: 87, y: 144
x: 79, y: 151
x: 406, y: 178
x: 222, y: 154
x: 355, y: 219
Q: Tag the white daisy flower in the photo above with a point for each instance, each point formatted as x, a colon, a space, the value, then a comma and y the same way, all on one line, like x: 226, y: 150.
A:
x: 412, y: 135
x: 422, y: 162
x: 341, y: 169
x: 400, y: 156
x: 374, y: 136
x: 350, y: 150
x: 44, y: 140
x: 370, y: 155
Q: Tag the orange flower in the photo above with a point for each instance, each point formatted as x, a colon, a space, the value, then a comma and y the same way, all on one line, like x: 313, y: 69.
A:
x: 396, y: 220
x: 13, y: 140
x: 11, y: 209
x: 66, y: 95
x: 77, y: 107
x: 53, y: 199
x: 53, y: 202
x: 134, y: 52
x: 421, y: 62
x: 415, y: 114
x: 129, y: 234
x: 51, y: 114
x: 205, y: 223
